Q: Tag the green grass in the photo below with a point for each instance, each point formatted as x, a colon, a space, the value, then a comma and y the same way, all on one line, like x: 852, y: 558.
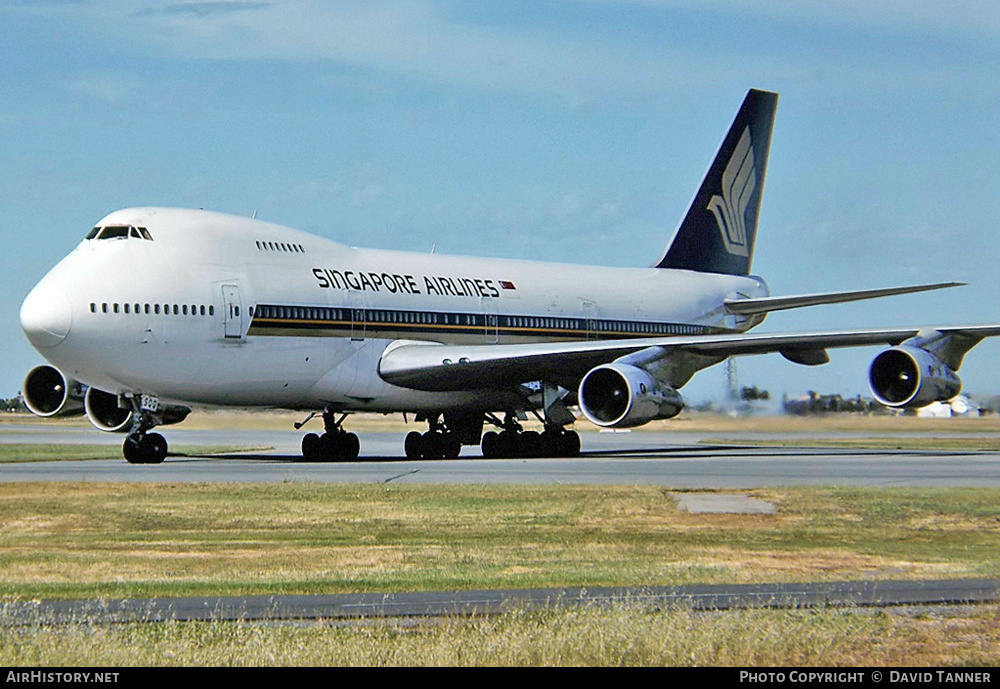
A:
x: 134, y: 540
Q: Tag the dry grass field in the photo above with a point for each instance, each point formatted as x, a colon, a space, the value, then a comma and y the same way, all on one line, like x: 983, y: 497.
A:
x: 136, y: 540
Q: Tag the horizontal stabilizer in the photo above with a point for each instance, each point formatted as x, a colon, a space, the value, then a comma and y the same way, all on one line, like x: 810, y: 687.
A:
x: 749, y: 307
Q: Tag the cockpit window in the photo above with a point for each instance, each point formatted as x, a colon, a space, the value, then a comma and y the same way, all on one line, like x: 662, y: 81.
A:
x: 113, y: 232
x: 119, y: 232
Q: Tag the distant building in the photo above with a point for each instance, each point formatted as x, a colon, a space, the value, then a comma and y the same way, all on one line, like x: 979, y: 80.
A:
x: 815, y: 403
x: 957, y: 406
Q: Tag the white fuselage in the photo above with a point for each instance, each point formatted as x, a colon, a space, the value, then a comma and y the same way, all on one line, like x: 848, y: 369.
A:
x: 215, y: 309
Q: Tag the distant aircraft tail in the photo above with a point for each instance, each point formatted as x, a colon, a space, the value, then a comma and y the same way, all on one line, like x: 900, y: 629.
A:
x: 718, y: 232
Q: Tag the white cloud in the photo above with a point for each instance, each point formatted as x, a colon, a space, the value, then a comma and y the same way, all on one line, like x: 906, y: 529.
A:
x: 577, y: 62
x: 106, y: 88
x: 964, y: 17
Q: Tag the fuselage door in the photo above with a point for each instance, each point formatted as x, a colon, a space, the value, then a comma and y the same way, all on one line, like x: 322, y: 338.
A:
x: 232, y: 311
x: 359, y: 319
x: 491, y: 320
x: 590, y: 315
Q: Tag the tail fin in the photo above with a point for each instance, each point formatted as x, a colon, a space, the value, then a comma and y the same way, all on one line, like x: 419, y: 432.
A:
x: 718, y: 232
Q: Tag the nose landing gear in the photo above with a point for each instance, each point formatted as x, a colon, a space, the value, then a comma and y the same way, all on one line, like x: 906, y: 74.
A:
x: 144, y: 448
x: 140, y: 446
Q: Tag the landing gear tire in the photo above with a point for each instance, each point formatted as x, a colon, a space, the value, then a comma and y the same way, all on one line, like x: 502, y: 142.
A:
x: 569, y: 444
x: 150, y: 448
x: 526, y: 444
x: 339, y: 446
x: 312, y: 448
x: 413, y: 445
x: 432, y: 445
x: 335, y: 445
x: 130, y: 448
x: 491, y: 445
x: 154, y: 448
x: 350, y: 446
x: 529, y: 444
x: 452, y: 446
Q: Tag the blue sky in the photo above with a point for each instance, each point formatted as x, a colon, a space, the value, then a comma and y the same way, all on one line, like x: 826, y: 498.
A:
x: 572, y: 130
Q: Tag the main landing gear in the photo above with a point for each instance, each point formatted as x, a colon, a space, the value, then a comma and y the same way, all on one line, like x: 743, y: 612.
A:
x: 444, y: 440
x: 515, y: 442
x: 440, y: 442
x: 335, y: 445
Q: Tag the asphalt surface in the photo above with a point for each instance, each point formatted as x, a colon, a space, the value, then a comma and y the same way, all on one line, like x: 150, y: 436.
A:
x: 677, y: 460
x: 468, y: 603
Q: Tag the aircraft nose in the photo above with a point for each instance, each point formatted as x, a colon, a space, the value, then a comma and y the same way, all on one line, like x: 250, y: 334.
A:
x: 46, y: 315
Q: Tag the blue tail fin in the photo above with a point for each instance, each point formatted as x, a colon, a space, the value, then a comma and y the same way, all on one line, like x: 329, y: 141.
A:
x: 718, y: 232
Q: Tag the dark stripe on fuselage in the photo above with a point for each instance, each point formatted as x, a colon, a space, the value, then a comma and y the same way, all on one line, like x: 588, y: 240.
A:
x: 320, y: 321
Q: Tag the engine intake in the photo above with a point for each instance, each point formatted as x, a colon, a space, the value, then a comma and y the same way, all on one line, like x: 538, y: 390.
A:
x: 103, y: 411
x: 622, y: 396
x: 909, y: 377
x: 47, y: 392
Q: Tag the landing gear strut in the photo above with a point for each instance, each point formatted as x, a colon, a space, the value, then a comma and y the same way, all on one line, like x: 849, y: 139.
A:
x: 335, y: 445
x: 515, y: 442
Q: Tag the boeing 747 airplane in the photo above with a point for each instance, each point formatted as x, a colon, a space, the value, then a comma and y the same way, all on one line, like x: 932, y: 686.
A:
x: 161, y: 309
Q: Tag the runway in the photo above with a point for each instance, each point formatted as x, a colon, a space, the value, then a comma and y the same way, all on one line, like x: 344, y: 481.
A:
x: 679, y: 460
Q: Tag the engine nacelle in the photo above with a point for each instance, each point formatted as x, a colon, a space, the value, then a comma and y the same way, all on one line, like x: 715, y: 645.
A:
x: 621, y: 396
x: 103, y: 411
x: 47, y: 392
x: 911, y: 377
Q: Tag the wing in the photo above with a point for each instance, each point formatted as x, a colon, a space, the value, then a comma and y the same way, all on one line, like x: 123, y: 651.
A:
x: 440, y: 367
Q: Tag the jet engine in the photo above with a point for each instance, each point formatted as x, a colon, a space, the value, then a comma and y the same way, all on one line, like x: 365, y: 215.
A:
x: 103, y: 411
x: 622, y: 396
x: 911, y: 377
x: 47, y: 392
